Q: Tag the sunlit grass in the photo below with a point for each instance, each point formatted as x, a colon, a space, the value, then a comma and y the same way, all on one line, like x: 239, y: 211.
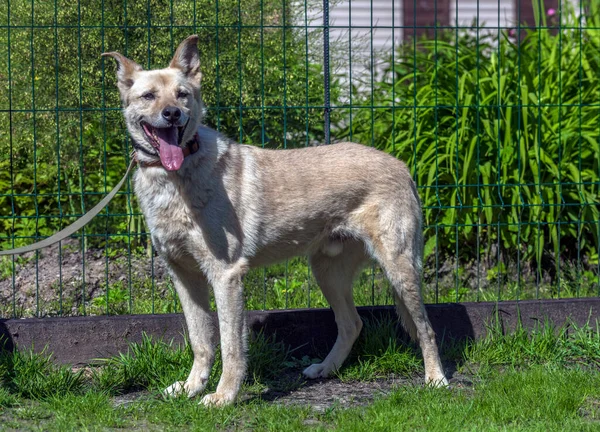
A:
x: 544, y: 379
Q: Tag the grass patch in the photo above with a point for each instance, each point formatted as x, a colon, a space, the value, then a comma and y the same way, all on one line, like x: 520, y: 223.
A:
x: 544, y: 344
x: 543, y: 380
x: 539, y: 398
x: 155, y: 364
x: 34, y: 376
x: 378, y: 353
x: 150, y: 364
x: 7, y: 399
x: 93, y: 410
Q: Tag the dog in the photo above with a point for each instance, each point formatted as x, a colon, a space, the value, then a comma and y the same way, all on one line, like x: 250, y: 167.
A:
x: 216, y: 208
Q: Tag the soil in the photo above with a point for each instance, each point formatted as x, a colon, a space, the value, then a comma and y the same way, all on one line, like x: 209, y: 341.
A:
x: 327, y: 393
x: 68, y: 277
x: 62, y: 280
x: 323, y: 394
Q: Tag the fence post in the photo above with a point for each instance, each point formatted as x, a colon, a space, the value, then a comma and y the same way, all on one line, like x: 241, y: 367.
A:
x: 326, y: 68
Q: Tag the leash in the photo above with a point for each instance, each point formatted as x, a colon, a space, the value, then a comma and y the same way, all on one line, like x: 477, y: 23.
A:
x: 75, y: 226
x: 191, y: 148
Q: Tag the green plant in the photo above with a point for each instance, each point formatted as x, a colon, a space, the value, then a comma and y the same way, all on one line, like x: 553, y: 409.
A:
x: 378, y: 352
x: 66, y: 142
x: 6, y: 265
x: 502, y: 139
x: 115, y: 302
x: 33, y: 375
x: 266, y: 357
x: 150, y: 364
x: 155, y: 364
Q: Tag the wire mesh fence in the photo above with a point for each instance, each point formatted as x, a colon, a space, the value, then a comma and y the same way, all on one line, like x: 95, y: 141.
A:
x: 495, y: 107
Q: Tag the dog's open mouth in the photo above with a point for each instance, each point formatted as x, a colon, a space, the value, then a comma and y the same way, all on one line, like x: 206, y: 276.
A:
x: 166, y: 141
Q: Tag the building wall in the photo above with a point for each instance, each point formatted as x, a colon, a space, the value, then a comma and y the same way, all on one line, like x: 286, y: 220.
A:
x: 489, y: 14
x: 395, y: 20
x: 362, y: 27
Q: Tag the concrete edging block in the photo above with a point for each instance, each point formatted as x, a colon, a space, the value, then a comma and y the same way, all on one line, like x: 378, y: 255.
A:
x: 81, y: 340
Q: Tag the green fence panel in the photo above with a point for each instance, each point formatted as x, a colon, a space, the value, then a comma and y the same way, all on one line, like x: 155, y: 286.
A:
x: 495, y: 107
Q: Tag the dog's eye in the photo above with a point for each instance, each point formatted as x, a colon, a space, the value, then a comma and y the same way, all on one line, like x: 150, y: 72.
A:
x: 148, y: 96
x: 182, y: 94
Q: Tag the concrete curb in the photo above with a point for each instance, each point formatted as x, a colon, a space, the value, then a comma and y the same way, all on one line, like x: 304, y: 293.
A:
x: 80, y: 340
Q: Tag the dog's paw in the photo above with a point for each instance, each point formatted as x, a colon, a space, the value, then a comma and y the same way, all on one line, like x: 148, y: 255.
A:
x: 317, y: 370
x: 175, y: 389
x: 217, y: 400
x: 180, y: 388
x: 436, y: 382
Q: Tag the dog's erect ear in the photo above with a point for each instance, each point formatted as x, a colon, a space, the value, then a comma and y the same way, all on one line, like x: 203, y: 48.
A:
x: 187, y: 60
x: 126, y: 69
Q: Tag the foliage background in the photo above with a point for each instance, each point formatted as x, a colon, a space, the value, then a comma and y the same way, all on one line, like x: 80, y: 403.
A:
x: 501, y: 131
x: 502, y: 136
x: 64, y: 141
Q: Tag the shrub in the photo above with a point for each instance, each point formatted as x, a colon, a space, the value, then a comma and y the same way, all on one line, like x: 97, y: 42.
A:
x: 66, y: 141
x: 502, y: 138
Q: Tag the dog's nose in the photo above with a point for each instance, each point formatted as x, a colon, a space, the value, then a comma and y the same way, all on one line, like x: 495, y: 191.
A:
x: 171, y: 114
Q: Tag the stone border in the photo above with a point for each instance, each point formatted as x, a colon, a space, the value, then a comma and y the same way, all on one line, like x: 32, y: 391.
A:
x: 81, y: 340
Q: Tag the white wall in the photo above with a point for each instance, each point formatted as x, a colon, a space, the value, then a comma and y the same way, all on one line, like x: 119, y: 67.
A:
x: 353, y: 42
x: 492, y: 13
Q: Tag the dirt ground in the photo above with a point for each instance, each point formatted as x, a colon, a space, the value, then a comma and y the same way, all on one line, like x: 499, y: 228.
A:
x: 323, y: 394
x: 61, y: 280
x: 326, y: 393
x: 83, y: 276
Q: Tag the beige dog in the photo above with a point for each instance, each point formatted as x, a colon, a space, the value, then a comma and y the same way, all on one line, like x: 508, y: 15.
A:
x: 216, y: 208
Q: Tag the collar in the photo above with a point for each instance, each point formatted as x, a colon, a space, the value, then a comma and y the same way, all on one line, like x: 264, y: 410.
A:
x: 190, y: 148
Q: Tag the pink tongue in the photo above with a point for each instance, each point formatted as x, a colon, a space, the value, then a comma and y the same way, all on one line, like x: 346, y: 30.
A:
x: 171, y: 155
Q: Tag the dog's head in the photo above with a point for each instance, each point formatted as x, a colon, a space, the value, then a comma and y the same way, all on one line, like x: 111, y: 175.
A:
x: 162, y: 107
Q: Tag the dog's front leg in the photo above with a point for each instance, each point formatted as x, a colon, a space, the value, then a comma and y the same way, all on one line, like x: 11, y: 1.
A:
x: 192, y: 289
x: 229, y: 297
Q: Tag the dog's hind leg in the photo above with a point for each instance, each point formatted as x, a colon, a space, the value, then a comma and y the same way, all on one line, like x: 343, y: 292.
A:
x: 192, y: 290
x: 334, y: 274
x: 405, y: 280
x: 402, y: 266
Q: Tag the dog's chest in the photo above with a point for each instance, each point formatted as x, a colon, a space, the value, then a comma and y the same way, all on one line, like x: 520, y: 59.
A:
x: 169, y: 218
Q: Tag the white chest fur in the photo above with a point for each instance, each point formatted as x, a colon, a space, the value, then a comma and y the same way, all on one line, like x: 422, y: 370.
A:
x: 169, y: 219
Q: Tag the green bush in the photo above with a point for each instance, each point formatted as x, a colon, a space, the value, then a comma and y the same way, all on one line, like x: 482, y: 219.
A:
x: 65, y: 122
x: 499, y: 135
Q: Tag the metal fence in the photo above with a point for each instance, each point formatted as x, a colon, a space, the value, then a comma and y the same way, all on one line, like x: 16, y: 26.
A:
x: 495, y: 106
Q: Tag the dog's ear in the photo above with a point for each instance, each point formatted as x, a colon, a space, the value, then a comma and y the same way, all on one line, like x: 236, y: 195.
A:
x: 126, y: 70
x: 187, y: 60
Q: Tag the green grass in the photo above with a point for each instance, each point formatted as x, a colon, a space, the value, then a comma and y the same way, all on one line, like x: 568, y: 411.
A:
x: 34, y: 376
x: 543, y: 345
x: 546, y: 379
x: 378, y: 353
x: 539, y: 398
x: 154, y: 365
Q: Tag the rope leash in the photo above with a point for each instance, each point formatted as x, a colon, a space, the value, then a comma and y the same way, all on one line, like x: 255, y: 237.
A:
x: 75, y: 226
